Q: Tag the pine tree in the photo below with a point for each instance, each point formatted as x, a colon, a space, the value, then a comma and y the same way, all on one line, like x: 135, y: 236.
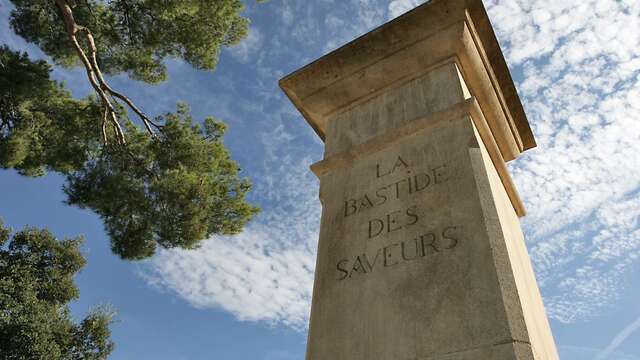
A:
x: 36, y: 285
x: 166, y: 181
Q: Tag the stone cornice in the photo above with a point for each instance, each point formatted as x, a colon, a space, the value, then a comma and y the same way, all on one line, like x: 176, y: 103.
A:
x: 405, y: 48
x: 457, y: 112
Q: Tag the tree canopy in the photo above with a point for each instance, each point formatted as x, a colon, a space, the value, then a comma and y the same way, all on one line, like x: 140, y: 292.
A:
x: 167, y: 181
x: 134, y: 36
x: 36, y: 285
x: 41, y: 125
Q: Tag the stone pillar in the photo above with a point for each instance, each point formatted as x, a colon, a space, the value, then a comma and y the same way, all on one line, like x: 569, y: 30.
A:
x: 421, y: 255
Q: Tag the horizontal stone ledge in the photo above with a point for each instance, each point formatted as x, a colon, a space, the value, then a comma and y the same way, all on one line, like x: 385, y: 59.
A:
x: 469, y: 107
x: 501, y: 350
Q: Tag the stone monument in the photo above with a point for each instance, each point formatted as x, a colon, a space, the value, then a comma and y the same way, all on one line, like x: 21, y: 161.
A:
x: 421, y: 255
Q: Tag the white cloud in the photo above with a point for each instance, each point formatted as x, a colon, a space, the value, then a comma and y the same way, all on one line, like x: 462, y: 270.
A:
x: 247, y: 275
x: 248, y: 47
x: 617, y: 340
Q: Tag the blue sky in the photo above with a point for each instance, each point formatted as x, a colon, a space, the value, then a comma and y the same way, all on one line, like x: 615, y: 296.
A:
x: 577, y: 68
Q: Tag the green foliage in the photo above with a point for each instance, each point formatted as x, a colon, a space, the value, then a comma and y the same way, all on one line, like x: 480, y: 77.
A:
x: 180, y: 187
x: 135, y: 36
x: 174, y: 190
x: 41, y: 125
x: 36, y: 284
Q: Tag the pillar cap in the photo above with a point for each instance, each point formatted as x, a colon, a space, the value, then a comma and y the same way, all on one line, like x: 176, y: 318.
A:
x: 405, y: 48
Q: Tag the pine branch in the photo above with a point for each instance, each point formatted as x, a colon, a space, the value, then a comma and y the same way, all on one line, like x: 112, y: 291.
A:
x: 97, y: 80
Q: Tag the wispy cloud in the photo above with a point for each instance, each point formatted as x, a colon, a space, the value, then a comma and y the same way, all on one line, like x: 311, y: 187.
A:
x: 248, y: 47
x: 618, y: 340
x: 581, y: 69
x: 247, y: 275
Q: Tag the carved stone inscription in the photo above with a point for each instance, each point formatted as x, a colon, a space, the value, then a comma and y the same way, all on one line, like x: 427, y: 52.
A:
x: 405, y: 187
x: 427, y: 244
x: 423, y: 244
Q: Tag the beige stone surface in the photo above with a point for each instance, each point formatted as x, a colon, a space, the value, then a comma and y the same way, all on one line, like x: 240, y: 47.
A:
x: 415, y: 276
x: 500, y: 213
x: 421, y: 255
